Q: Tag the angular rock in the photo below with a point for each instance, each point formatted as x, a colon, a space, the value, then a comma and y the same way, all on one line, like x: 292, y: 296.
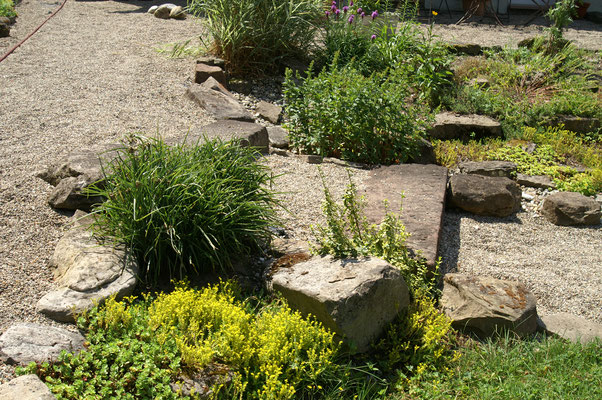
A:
x: 202, y: 72
x: 535, y: 181
x: 249, y: 134
x: 278, y: 137
x: 26, y: 342
x: 464, y: 127
x: 580, y: 124
x: 213, y: 61
x: 571, y: 327
x: 221, y: 106
x: 177, y: 13
x: 26, y: 387
x: 69, y: 194
x: 356, y: 299
x: 570, y: 208
x: 213, y: 84
x: 87, y: 272
x: 426, y: 153
x: 268, y: 111
x: 505, y: 169
x: 485, y: 195
x: 485, y: 305
x: 424, y: 189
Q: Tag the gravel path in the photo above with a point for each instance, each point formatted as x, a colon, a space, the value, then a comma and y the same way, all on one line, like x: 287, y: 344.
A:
x: 92, y: 74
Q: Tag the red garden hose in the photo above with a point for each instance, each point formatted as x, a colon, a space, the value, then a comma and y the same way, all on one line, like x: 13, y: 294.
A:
x: 34, y: 31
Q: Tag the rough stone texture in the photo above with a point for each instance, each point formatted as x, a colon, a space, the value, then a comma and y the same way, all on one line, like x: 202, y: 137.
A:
x: 68, y: 194
x: 164, y: 10
x: 571, y: 327
x: 213, y: 61
x: 202, y: 72
x: 580, y: 124
x: 26, y: 387
x: 218, y: 104
x: 535, y: 181
x: 485, y: 195
x: 424, y: 189
x: 485, y: 305
x: 570, y: 208
x: 354, y: 298
x: 465, y: 127
x: 268, y: 111
x: 250, y: 134
x: 26, y: 342
x: 213, y: 84
x: 426, y: 153
x: 177, y: 13
x: 489, y: 168
x: 86, y: 272
x: 278, y: 137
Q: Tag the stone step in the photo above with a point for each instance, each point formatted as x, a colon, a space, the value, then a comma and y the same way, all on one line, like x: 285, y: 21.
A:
x: 424, y: 189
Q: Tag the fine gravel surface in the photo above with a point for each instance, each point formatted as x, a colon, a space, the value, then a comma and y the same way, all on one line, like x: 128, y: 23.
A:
x: 93, y: 74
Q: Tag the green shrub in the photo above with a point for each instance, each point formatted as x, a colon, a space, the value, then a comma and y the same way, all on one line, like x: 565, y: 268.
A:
x: 256, y: 35
x: 7, y: 9
x: 186, y: 209
x: 343, y: 114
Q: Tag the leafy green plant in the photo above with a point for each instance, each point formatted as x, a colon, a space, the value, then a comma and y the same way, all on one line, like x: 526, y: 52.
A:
x: 510, y: 368
x: 257, y: 35
x: 7, y: 9
x: 343, y: 114
x: 347, y: 233
x: 561, y: 16
x: 186, y: 209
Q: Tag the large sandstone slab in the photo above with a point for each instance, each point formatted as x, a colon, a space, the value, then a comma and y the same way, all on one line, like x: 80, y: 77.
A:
x: 218, y: 104
x: 87, y: 272
x: 424, y: 188
x: 356, y: 299
x: 504, y: 169
x: 26, y: 387
x: 27, y: 342
x: 485, y: 305
x: 464, y: 127
x: 571, y: 327
x: 249, y: 134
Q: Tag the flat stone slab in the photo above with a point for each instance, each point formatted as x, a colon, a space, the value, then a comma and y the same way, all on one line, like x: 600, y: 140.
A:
x: 27, y: 342
x: 26, y: 387
x: 504, y: 169
x: 571, y: 327
x: 424, y: 188
x: 250, y: 134
x: 535, y: 181
x: 464, y: 127
x: 216, y: 103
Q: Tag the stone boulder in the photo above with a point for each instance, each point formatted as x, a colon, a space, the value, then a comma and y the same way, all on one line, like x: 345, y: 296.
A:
x: 249, y: 134
x: 69, y: 194
x: 203, y: 71
x: 504, y: 169
x: 26, y: 342
x: 278, y: 137
x: 213, y: 84
x: 485, y: 195
x: 571, y: 327
x: 484, y: 305
x: 26, y: 387
x: 464, y: 127
x: 536, y: 181
x: 268, y: 111
x: 218, y: 104
x: 579, y: 124
x: 164, y: 10
x: 570, y: 208
x: 356, y: 299
x: 86, y: 272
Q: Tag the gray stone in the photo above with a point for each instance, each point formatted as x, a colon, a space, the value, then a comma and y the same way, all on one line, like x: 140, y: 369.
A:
x: 26, y: 342
x: 311, y: 158
x: 426, y: 153
x: 249, y: 134
x: 571, y: 327
x: 535, y: 181
x: 424, y: 190
x: 485, y: 195
x: 570, y: 208
x: 356, y: 299
x: 485, y: 305
x: 177, y: 13
x: 213, y: 84
x: 26, y: 387
x: 268, y: 111
x: 164, y: 10
x: 87, y: 272
x: 152, y: 9
x: 221, y: 106
x: 69, y: 194
x: 278, y: 137
x: 464, y: 127
x: 579, y: 124
x: 202, y: 72
x: 4, y: 30
x: 505, y: 169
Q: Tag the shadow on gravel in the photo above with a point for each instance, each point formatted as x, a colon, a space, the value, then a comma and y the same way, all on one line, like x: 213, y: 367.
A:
x: 143, y: 6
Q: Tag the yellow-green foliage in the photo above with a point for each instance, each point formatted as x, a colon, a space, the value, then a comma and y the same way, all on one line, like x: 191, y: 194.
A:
x: 274, y: 354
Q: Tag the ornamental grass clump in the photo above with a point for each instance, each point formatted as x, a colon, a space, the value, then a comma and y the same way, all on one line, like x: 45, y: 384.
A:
x: 186, y: 210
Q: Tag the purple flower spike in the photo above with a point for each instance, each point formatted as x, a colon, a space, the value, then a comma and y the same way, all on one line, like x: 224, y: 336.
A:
x: 351, y: 17
x: 337, y: 12
x: 374, y: 14
x: 359, y: 10
x: 363, y: 14
x: 327, y: 14
x: 334, y: 3
x: 373, y: 37
x: 333, y: 8
x: 345, y: 9
x: 351, y: 3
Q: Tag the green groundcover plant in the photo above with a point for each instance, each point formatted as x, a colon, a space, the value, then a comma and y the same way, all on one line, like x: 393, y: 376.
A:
x: 186, y: 209
x: 7, y: 9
